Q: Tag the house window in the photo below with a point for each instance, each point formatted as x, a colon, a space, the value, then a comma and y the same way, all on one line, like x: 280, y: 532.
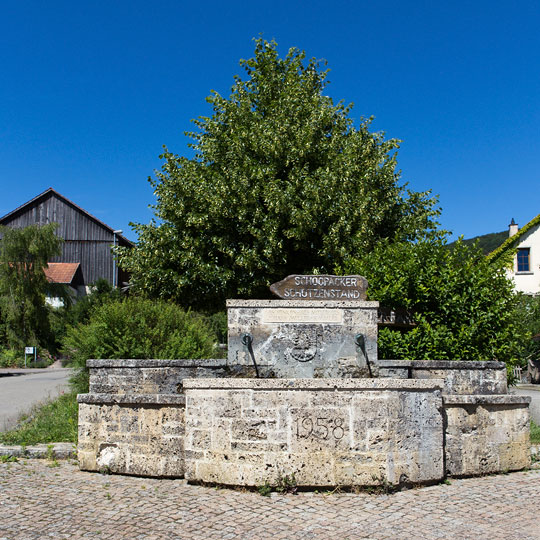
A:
x: 524, y: 260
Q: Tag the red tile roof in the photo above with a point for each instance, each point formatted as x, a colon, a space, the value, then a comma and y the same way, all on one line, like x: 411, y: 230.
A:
x: 61, y: 272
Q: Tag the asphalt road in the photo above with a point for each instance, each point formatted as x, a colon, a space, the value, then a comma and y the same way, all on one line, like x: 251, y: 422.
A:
x: 21, y: 389
x: 534, y: 392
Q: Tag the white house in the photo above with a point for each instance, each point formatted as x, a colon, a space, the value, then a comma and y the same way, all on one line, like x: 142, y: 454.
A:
x: 67, y: 274
x: 526, y: 267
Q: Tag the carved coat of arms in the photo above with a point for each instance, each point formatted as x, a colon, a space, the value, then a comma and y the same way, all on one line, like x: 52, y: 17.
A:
x: 305, y: 345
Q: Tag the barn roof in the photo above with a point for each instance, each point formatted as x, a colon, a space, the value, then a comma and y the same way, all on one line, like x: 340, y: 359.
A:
x: 61, y: 272
x: 52, y: 192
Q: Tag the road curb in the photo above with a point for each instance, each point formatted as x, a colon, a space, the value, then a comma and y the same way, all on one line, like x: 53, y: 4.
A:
x: 41, y: 451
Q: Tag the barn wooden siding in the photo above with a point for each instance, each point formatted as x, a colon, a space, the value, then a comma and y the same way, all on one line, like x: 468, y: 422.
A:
x: 86, y: 240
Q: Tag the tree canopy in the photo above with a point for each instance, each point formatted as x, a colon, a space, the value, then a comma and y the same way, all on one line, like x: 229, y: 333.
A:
x: 464, y: 305
x: 24, y: 253
x: 281, y: 182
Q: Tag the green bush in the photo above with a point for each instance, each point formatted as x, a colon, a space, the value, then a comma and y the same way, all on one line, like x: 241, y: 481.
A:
x: 218, y: 324
x: 15, y: 359
x: 136, y: 328
x: 11, y: 358
x: 528, y: 318
x: 139, y: 328
x: 463, y: 305
x: 74, y: 313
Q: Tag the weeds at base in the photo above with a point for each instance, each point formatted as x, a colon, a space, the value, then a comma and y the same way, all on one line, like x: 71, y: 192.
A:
x: 285, y: 485
x: 265, y: 490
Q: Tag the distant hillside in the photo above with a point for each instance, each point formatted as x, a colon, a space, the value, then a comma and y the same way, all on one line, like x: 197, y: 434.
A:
x: 487, y: 242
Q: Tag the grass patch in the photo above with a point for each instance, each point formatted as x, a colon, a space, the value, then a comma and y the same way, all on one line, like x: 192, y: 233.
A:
x: 535, y: 433
x: 56, y: 421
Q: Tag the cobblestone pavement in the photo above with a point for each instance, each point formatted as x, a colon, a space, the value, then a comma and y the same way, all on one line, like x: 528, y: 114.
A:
x: 41, y: 499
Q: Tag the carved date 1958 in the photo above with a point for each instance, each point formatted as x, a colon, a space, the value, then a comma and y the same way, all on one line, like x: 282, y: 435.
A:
x: 319, y: 428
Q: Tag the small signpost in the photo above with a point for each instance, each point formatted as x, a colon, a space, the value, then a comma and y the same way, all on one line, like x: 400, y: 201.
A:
x: 329, y: 287
x: 321, y: 287
x: 30, y: 350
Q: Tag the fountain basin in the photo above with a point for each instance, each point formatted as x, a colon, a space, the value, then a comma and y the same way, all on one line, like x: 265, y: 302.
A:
x: 324, y: 432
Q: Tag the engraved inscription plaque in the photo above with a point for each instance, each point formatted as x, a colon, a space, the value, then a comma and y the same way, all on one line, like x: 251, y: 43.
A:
x: 305, y: 316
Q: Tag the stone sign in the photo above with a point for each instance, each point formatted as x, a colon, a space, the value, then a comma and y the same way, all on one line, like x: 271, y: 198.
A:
x: 321, y: 287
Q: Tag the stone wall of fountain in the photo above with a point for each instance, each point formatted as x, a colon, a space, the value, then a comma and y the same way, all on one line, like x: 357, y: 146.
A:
x: 302, y: 394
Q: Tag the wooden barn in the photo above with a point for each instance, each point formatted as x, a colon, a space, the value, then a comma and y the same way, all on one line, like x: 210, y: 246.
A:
x: 87, y: 240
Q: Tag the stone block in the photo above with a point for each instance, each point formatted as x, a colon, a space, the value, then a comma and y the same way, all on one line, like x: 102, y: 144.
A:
x: 486, y: 434
x: 149, y: 376
x: 295, y: 338
x: 130, y: 438
x: 460, y: 377
x: 328, y: 433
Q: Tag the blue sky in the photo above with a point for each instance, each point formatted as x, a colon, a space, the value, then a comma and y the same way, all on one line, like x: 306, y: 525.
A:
x: 90, y: 91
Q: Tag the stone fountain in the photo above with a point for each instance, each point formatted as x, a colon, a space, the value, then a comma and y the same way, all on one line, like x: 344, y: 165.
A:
x: 303, y: 395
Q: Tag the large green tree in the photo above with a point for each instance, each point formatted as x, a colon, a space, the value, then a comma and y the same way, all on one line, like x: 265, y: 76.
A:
x: 24, y: 254
x: 281, y: 182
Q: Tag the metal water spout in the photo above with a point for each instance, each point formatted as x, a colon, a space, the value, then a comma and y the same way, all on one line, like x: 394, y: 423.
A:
x: 247, y: 341
x: 360, y: 341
